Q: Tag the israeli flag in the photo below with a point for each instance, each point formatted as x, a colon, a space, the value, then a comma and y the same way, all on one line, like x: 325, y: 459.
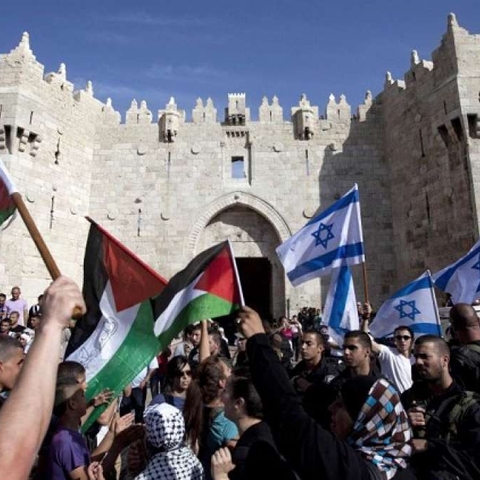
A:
x: 332, y: 239
x: 414, y: 306
x: 340, y: 310
x: 461, y: 279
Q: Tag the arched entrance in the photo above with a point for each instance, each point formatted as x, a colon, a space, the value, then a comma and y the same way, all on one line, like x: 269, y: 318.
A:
x: 254, y: 241
x: 255, y: 229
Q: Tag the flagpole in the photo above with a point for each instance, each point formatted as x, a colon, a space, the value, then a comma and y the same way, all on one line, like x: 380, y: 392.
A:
x: 365, y: 284
x: 242, y: 300
x: 434, y: 300
x: 47, y: 258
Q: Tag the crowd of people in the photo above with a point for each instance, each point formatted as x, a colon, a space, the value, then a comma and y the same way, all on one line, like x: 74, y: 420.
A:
x: 280, y: 400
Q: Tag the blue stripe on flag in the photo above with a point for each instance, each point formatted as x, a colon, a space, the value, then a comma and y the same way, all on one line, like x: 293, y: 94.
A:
x: 442, y: 281
x: 423, y: 328
x: 342, y: 252
x: 425, y: 282
x: 343, y: 202
x: 340, y: 300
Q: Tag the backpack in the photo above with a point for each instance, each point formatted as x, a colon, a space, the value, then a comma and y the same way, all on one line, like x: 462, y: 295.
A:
x: 468, y: 360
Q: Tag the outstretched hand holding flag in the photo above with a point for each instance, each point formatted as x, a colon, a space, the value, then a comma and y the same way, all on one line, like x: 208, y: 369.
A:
x: 331, y: 239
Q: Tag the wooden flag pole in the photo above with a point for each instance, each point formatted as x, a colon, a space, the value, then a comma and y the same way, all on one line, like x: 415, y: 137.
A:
x: 365, y: 284
x: 52, y: 268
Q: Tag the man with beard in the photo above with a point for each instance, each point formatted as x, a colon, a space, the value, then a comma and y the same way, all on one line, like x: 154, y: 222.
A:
x: 445, y: 419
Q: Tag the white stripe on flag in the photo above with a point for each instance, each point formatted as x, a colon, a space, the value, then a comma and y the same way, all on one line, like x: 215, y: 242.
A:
x: 6, y: 178
x: 413, y: 306
x: 332, y: 239
x: 111, y: 331
x: 178, y: 303
x: 340, y: 310
x: 461, y: 279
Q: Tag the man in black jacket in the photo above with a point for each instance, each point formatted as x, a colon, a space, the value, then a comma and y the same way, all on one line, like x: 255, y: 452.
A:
x: 445, y: 418
x: 314, y: 367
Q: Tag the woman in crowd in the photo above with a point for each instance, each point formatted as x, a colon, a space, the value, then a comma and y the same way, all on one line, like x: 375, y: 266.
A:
x: 207, y: 427
x: 177, y: 381
x: 255, y: 454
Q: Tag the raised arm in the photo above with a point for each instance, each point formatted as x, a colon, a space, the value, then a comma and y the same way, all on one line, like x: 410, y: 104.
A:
x: 24, y: 418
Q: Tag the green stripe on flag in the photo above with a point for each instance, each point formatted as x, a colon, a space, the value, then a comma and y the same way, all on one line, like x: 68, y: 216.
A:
x: 6, y: 214
x: 201, y: 308
x: 134, y: 354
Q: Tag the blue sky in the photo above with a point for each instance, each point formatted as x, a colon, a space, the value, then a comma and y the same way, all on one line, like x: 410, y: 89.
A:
x: 152, y: 50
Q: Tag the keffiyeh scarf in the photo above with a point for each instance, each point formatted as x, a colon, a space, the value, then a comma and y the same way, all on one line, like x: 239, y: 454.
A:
x: 381, y: 432
x: 172, y: 460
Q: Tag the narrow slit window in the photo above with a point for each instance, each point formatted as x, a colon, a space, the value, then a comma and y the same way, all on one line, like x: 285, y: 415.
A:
x: 238, y: 167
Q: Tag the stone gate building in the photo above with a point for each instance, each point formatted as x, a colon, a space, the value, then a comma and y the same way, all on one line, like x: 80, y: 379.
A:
x: 169, y: 186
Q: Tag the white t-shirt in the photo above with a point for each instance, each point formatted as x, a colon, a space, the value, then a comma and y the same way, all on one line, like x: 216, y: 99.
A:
x: 396, y: 367
x: 143, y: 373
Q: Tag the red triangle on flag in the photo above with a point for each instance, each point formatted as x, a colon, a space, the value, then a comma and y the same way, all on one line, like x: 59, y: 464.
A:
x: 132, y: 280
x: 219, y: 278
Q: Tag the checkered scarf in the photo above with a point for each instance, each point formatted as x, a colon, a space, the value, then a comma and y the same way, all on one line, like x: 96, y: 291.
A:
x: 165, y: 430
x: 381, y: 432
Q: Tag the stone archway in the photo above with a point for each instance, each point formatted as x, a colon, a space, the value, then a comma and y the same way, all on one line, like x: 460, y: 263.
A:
x: 255, y: 230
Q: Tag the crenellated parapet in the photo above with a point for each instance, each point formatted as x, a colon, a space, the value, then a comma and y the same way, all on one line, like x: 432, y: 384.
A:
x: 204, y: 113
x: 237, y: 112
x: 340, y: 112
x: 270, y: 113
x: 109, y: 115
x: 138, y: 115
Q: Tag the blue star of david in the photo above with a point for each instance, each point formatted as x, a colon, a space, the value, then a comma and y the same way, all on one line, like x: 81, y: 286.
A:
x: 405, y: 313
x: 477, y: 265
x: 318, y: 235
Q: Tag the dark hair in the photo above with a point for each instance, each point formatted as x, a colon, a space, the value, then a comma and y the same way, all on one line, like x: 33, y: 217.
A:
x: 69, y: 370
x: 215, y: 334
x: 3, y: 295
x: 405, y: 327
x: 64, y: 389
x: 242, y: 387
x: 362, y: 338
x: 202, y: 391
x: 8, y: 346
x: 441, y: 346
x: 174, y: 368
x: 317, y: 335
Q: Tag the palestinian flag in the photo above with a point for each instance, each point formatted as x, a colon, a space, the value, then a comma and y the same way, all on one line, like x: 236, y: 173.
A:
x: 115, y: 340
x: 7, y: 205
x: 207, y: 288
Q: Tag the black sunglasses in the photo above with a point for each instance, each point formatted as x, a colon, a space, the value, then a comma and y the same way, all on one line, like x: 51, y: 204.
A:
x: 402, y: 337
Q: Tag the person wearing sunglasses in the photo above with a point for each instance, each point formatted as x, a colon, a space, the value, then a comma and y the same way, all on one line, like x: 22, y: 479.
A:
x: 177, y: 381
x: 396, y: 363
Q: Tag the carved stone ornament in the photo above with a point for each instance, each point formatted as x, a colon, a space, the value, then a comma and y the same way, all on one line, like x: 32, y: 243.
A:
x: 112, y: 214
x: 142, y: 150
x: 30, y: 197
x: 165, y: 216
x: 195, y: 149
x: 278, y: 147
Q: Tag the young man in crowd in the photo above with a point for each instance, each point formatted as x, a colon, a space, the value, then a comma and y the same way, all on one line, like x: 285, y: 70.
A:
x: 17, y: 304
x: 15, y: 327
x: 396, y: 364
x: 445, y: 418
x: 465, y: 357
x: 313, y: 366
x: 5, y: 327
